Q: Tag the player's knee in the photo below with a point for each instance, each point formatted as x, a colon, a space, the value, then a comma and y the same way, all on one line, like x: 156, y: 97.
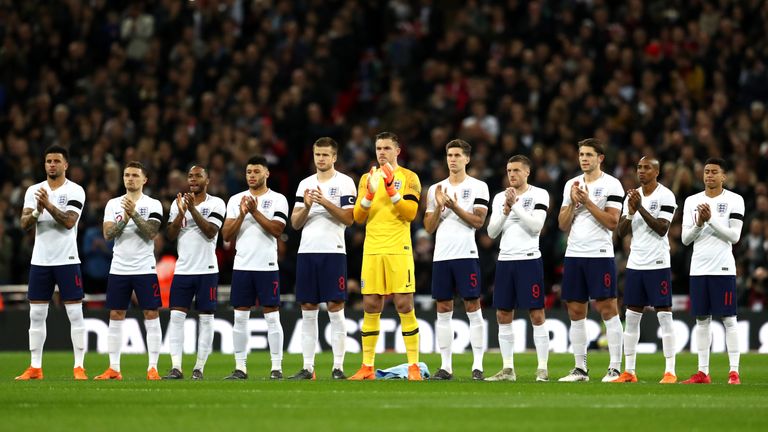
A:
x: 117, y: 315
x: 537, y: 316
x: 151, y: 314
x: 472, y: 305
x: 504, y: 316
x: 444, y: 306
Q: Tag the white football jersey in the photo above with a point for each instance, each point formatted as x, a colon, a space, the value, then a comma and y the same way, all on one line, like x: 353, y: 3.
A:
x: 713, y: 255
x: 454, y: 238
x: 517, y: 241
x: 322, y: 233
x: 588, y: 238
x: 132, y: 254
x: 256, y: 249
x: 648, y: 250
x: 197, y: 253
x: 54, y: 244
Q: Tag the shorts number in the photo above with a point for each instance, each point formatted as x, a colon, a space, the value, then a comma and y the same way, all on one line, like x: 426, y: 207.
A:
x: 156, y: 290
x: 535, y: 291
x: 607, y: 280
x: 342, y: 284
x: 78, y: 282
x: 728, y: 301
x: 275, y: 286
x: 212, y: 293
x: 473, y: 280
x: 664, y: 288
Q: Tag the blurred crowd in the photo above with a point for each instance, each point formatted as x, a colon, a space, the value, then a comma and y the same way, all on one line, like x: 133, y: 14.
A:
x: 213, y: 82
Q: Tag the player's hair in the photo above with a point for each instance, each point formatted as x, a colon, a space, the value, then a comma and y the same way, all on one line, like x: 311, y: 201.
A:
x: 327, y: 142
x: 258, y: 160
x: 717, y: 161
x: 594, y: 143
x: 389, y: 136
x: 202, y: 167
x: 57, y: 149
x: 137, y: 164
x: 522, y: 159
x: 465, y: 147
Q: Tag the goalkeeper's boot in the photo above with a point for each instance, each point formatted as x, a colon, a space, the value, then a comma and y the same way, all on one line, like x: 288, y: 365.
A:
x: 152, y: 375
x: 303, y: 374
x: 365, y: 373
x: 174, y: 374
x: 626, y: 377
x: 733, y: 378
x: 414, y: 373
x: 109, y: 374
x: 31, y: 374
x: 698, y: 378
x: 79, y: 374
x: 668, y: 378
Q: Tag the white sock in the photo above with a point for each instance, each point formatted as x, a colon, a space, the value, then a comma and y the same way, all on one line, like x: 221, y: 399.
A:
x: 578, y: 335
x: 507, y: 345
x: 541, y: 342
x: 77, y: 331
x: 309, y: 337
x: 732, y: 342
x: 176, y: 337
x: 614, y: 333
x: 115, y: 343
x: 204, y: 340
x: 275, y: 339
x: 476, y: 334
x: 154, y: 341
x: 445, y: 339
x: 631, y: 338
x: 703, y: 337
x: 338, y: 338
x: 240, y: 338
x: 667, y: 340
x: 38, y: 313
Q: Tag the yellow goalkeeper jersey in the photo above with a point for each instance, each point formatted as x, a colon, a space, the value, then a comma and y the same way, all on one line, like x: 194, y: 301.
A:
x: 388, y: 227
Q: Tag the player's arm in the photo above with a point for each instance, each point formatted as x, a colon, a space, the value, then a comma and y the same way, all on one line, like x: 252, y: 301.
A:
x: 608, y: 217
x: 498, y: 217
x: 432, y: 217
x: 274, y: 226
x: 365, y: 194
x: 534, y: 221
x: 28, y: 221
x: 659, y: 225
x: 408, y: 205
x: 66, y: 218
x: 147, y: 228
x: 231, y: 227
x: 476, y: 219
x: 431, y: 221
x: 208, y: 228
x: 343, y: 214
x: 113, y: 230
x: 731, y: 232
x: 565, y: 217
x: 176, y: 216
x: 624, y: 228
x: 692, y: 227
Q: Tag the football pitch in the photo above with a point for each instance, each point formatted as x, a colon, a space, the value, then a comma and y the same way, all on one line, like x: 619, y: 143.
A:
x: 60, y: 404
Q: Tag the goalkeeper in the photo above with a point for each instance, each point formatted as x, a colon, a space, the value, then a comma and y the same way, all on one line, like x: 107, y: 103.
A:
x: 387, y: 202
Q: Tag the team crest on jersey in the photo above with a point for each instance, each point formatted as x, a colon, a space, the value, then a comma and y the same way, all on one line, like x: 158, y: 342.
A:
x: 527, y: 203
x: 205, y: 212
x: 465, y: 193
x: 62, y: 200
x: 333, y: 191
x: 266, y: 204
x: 722, y: 208
x: 144, y: 212
x: 398, y: 183
x: 598, y: 192
x: 654, y: 205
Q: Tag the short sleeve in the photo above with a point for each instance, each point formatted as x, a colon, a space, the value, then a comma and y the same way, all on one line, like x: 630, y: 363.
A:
x: 218, y: 210
x: 30, y: 201
x: 667, y: 206
x: 431, y: 198
x: 348, y: 194
x: 481, y: 200
x: 76, y: 202
x: 615, y: 195
x: 233, y: 207
x: 281, y: 210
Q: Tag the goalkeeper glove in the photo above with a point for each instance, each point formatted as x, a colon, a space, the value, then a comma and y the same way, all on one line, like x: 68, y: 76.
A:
x: 372, y: 186
x: 389, y: 182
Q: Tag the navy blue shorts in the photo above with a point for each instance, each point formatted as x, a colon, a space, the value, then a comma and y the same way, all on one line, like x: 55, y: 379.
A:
x: 120, y: 287
x: 247, y: 286
x: 458, y: 275
x: 321, y: 277
x: 42, y: 280
x: 713, y: 295
x: 201, y: 287
x: 648, y: 288
x: 588, y: 278
x: 519, y: 285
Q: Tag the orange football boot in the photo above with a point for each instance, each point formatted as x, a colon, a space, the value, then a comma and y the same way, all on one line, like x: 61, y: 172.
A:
x: 79, y: 374
x: 31, y: 374
x: 109, y: 374
x: 365, y: 373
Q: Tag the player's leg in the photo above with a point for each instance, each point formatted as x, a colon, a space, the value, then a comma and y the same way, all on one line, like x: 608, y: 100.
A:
x: 702, y: 333
x: 183, y: 289
x: 333, y: 292
x: 529, y: 294
x: 504, y: 301
x: 70, y: 282
x: 307, y: 295
x: 373, y: 287
x: 723, y: 300
x: 442, y: 291
x: 119, y: 290
x: 41, y: 285
x: 540, y: 342
x: 659, y: 292
x: 468, y: 283
x: 269, y: 297
x: 601, y: 276
x: 242, y: 297
x: 635, y: 299
x: 400, y: 279
x: 147, y: 290
x: 576, y: 295
x: 205, y: 302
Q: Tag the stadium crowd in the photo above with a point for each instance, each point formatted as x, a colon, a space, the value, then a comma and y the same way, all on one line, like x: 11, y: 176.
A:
x: 213, y: 82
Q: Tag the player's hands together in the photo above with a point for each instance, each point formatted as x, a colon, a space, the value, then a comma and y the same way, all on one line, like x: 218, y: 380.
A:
x: 319, y: 197
x: 389, y: 178
x: 180, y: 204
x: 579, y: 195
x: 705, y: 213
x: 42, y: 199
x: 440, y: 197
x: 189, y: 200
x: 129, y: 206
x: 247, y: 205
x: 308, y: 198
x: 450, y: 202
x: 633, y: 201
x: 373, y: 183
x: 510, y: 195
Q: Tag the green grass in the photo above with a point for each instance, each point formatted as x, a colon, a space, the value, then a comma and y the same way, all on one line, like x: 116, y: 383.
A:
x: 60, y: 404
